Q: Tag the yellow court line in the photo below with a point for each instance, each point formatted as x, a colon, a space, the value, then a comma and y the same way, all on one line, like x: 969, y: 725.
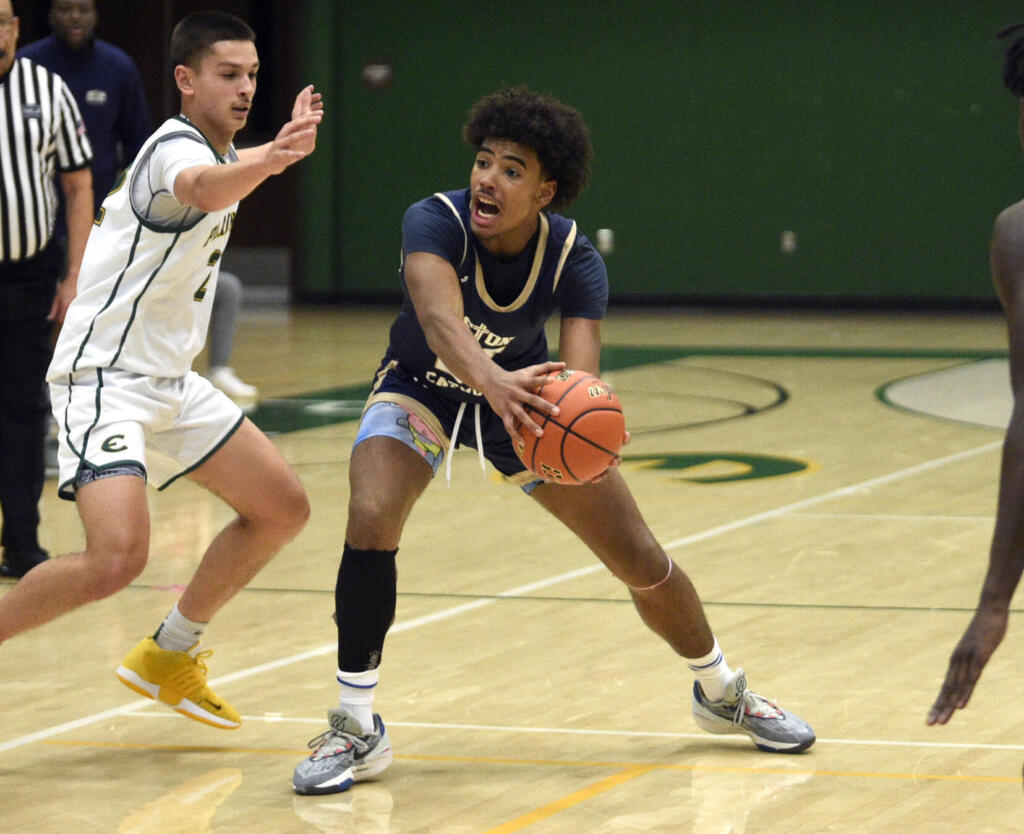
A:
x: 633, y: 768
x: 863, y: 774
x: 568, y: 801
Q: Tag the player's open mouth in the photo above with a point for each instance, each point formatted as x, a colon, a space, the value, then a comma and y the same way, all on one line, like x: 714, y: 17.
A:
x: 486, y: 207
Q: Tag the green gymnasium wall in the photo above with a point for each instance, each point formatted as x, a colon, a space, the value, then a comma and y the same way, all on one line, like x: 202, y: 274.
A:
x: 878, y: 132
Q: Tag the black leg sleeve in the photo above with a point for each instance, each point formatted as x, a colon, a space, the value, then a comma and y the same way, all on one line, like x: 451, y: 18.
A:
x: 364, y: 599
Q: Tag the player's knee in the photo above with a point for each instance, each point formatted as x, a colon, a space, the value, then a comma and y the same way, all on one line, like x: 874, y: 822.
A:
x: 114, y: 568
x: 369, y: 523
x: 640, y: 567
x: 372, y: 525
x: 288, y: 511
x: 366, y: 508
x: 295, y: 508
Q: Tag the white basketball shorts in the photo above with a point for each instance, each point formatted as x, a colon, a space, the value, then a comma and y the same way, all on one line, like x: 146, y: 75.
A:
x: 109, y: 419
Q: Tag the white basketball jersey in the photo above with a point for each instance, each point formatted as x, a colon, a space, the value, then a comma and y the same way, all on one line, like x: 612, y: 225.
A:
x: 150, y: 268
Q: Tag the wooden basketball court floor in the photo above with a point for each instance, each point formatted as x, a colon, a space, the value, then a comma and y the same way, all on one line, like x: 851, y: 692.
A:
x: 828, y: 480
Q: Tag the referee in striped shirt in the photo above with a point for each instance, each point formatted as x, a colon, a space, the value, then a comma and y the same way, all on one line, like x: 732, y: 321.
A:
x: 42, y: 146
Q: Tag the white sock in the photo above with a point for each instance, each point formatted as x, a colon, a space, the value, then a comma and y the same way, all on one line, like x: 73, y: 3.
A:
x: 357, y: 689
x: 712, y: 671
x: 178, y: 633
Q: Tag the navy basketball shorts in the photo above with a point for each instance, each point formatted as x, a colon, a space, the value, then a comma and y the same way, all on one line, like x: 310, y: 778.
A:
x: 401, y: 407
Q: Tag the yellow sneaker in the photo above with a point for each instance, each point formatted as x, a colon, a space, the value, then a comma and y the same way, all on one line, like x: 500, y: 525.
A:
x: 179, y: 680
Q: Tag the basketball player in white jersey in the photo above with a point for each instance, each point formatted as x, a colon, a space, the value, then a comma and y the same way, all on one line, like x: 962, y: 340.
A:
x: 129, y: 407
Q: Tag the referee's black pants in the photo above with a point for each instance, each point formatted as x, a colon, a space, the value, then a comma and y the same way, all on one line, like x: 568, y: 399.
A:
x: 24, y: 408
x: 25, y: 352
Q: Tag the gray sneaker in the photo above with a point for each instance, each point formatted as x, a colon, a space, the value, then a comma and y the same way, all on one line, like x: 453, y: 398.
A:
x: 769, y: 726
x: 344, y: 754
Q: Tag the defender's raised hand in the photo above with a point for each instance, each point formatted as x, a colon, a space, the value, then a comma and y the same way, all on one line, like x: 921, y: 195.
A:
x: 307, y: 101
x: 297, y: 138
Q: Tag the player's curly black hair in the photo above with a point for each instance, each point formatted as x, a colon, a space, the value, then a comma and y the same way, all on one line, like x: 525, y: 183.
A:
x: 1013, y: 65
x: 555, y: 131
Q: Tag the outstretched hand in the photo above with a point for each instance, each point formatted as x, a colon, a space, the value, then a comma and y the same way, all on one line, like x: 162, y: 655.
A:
x: 983, y: 635
x: 297, y: 138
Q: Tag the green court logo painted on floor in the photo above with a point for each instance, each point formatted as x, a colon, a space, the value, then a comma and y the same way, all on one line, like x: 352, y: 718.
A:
x: 719, y: 467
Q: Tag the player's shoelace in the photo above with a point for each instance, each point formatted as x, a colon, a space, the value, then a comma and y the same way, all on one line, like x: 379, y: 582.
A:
x: 193, y: 677
x: 331, y: 742
x: 757, y: 706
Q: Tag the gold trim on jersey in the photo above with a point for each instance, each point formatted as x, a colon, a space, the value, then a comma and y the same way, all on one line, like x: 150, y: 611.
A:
x: 415, y: 406
x: 465, y: 235
x: 570, y: 239
x: 379, y: 378
x: 531, y: 281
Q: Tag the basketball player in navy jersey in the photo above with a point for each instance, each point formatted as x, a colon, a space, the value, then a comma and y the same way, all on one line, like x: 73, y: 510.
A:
x: 483, y: 269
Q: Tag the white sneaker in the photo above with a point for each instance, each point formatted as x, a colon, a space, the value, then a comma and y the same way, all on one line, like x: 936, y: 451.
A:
x: 224, y: 378
x: 342, y: 755
x: 770, y: 727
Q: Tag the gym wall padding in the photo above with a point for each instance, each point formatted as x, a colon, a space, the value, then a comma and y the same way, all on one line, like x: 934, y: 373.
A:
x: 763, y: 151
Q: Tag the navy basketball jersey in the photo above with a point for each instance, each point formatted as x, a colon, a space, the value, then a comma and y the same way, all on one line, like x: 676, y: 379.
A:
x: 505, y: 303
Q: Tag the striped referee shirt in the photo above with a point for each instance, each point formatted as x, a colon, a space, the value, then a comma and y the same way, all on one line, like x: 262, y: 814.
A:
x: 41, y: 134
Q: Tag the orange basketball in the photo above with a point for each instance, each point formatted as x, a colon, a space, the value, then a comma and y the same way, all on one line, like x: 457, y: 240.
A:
x: 582, y: 441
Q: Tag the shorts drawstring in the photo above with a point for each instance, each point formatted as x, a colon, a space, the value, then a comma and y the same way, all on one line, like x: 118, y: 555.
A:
x: 453, y: 440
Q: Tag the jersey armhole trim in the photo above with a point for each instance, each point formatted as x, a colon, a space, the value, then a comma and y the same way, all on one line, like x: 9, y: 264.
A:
x: 192, y: 135
x: 465, y: 236
x: 570, y: 239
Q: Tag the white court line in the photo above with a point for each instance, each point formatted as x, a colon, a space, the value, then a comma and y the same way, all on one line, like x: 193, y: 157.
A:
x: 692, y: 736
x: 881, y: 480
x: 574, y: 731
x: 408, y: 625
x: 973, y: 519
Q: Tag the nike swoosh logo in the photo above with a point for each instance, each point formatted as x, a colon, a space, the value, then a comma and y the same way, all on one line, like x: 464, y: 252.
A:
x: 360, y: 756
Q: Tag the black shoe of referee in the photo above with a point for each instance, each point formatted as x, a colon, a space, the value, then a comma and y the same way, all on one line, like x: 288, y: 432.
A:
x: 16, y: 563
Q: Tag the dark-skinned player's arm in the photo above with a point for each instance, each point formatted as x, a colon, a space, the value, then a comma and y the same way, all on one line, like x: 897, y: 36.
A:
x: 1006, y: 554
x: 579, y: 346
x: 433, y: 287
